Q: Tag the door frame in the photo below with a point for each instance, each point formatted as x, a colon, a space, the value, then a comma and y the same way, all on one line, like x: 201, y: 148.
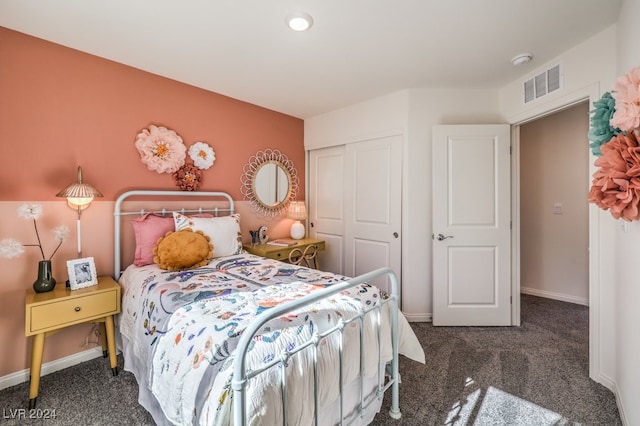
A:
x: 590, y: 94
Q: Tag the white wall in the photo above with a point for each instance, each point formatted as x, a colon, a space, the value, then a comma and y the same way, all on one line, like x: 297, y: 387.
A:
x: 554, y: 251
x: 383, y: 116
x: 591, y: 62
x: 411, y: 113
x: 627, y: 248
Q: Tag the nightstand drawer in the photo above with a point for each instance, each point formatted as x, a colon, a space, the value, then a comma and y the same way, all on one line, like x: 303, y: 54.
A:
x: 72, y: 311
x: 282, y: 253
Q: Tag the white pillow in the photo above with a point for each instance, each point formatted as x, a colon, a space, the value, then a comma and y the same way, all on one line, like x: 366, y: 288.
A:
x: 224, y: 232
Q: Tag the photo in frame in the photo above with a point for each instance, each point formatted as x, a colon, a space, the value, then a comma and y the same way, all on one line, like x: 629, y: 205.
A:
x: 82, y: 273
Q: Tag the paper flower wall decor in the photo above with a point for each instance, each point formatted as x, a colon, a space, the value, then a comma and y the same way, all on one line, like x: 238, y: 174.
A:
x: 202, y: 155
x: 626, y: 92
x: 161, y: 149
x: 601, y: 130
x: 10, y: 248
x: 616, y: 184
x: 188, y: 177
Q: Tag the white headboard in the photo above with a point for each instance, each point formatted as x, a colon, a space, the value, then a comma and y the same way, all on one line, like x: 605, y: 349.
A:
x: 216, y: 203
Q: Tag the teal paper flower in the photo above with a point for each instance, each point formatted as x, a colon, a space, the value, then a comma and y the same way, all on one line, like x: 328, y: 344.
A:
x: 601, y: 130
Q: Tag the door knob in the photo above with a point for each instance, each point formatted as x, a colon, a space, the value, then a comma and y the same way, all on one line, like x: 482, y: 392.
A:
x: 441, y: 237
x: 395, y: 235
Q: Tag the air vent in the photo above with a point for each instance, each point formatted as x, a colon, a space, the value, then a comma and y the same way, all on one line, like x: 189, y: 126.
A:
x: 542, y: 84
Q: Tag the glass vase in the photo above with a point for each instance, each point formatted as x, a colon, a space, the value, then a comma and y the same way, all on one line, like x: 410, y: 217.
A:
x: 45, y: 281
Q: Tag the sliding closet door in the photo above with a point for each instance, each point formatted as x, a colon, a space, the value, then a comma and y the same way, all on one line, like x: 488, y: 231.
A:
x: 373, y: 206
x: 326, y: 205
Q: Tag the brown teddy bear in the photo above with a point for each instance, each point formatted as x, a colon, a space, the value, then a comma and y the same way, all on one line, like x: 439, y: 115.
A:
x: 182, y: 249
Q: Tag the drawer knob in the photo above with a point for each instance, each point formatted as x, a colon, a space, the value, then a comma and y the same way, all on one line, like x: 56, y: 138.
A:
x: 77, y: 309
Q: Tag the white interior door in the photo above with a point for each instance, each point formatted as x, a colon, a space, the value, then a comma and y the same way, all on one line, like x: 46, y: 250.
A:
x: 471, y: 225
x: 326, y: 205
x: 373, y: 206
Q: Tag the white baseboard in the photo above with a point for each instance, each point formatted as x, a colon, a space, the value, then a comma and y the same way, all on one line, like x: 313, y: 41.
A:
x: 50, y: 367
x: 616, y: 393
x: 556, y: 296
x: 418, y: 317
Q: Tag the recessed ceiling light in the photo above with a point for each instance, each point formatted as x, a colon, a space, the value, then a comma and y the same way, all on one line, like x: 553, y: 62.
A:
x: 299, y: 21
x: 521, y: 59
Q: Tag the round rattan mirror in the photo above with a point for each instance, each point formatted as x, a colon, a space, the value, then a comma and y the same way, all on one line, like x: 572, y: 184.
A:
x: 269, y: 182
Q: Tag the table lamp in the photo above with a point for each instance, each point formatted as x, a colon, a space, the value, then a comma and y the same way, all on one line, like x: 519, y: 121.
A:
x: 297, y: 212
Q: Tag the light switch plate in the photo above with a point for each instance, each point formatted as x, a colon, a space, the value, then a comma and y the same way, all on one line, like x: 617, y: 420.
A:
x: 557, y: 208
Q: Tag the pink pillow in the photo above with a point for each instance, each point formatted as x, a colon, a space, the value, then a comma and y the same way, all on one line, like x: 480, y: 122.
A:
x: 148, y: 229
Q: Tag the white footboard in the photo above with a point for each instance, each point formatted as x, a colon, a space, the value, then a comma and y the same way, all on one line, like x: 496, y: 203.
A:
x: 241, y: 377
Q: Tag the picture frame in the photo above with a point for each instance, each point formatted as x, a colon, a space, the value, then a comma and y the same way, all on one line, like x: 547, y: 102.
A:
x: 82, y: 273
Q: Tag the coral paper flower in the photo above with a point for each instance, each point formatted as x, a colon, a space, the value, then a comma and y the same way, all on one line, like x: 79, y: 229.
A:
x: 616, y: 185
x: 10, y: 248
x: 626, y: 92
x: 202, y: 155
x: 161, y: 149
x: 188, y: 177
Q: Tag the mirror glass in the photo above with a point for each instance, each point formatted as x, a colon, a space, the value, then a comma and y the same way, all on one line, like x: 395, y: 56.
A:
x: 271, y: 184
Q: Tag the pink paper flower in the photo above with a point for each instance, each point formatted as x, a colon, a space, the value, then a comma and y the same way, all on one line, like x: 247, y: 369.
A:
x: 616, y: 185
x: 626, y: 92
x: 161, y: 149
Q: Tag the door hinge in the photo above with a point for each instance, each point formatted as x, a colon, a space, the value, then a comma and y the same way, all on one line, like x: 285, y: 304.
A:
x: 510, y: 149
x: 511, y: 300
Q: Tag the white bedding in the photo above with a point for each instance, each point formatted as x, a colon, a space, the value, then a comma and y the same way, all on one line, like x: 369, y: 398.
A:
x: 183, y: 326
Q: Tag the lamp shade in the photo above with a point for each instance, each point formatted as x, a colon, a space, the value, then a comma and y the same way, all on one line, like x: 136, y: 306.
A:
x: 297, y: 210
x: 79, y: 194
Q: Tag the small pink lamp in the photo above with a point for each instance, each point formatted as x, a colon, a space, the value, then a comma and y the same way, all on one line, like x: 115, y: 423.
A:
x: 297, y: 212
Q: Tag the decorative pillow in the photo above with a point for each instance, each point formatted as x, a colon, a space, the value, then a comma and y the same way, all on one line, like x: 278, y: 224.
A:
x: 224, y: 232
x: 148, y: 229
x: 183, y: 249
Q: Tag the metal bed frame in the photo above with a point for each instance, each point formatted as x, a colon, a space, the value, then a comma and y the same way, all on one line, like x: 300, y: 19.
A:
x: 241, y: 377
x: 119, y: 212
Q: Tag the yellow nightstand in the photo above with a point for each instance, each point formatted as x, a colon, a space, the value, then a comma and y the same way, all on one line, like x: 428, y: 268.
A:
x: 304, y: 250
x: 49, y: 312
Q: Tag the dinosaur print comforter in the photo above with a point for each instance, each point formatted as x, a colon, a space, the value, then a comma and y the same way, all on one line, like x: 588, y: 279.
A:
x: 185, y: 326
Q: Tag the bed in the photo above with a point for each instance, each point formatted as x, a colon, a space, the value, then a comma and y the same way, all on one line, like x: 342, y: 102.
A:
x: 244, y: 339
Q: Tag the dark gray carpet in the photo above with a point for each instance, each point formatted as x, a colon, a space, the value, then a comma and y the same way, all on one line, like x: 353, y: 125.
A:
x: 536, y: 374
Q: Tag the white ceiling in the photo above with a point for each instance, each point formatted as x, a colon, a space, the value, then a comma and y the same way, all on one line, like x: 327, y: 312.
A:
x: 356, y: 49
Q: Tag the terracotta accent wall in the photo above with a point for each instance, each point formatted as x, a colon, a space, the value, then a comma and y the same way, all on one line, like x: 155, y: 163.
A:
x: 60, y: 108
